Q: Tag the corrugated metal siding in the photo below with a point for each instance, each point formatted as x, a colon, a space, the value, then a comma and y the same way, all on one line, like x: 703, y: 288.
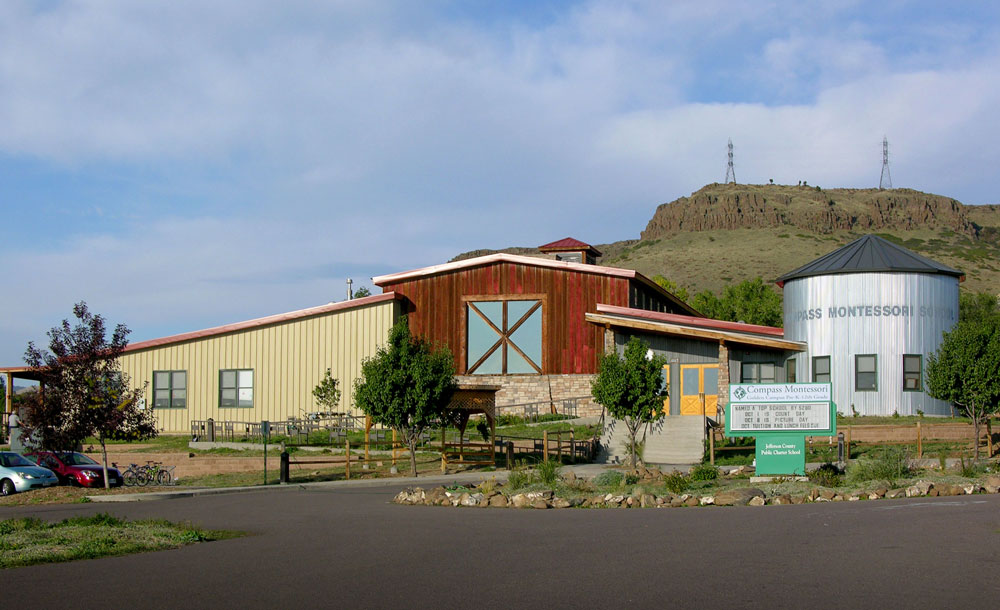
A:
x: 570, y: 345
x: 889, y: 337
x: 288, y: 360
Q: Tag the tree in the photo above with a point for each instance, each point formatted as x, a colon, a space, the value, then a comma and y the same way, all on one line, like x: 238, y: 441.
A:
x: 631, y: 388
x: 977, y: 306
x: 671, y: 287
x: 83, y: 390
x: 750, y: 301
x: 965, y: 370
x: 362, y: 292
x: 327, y: 392
x: 407, y: 386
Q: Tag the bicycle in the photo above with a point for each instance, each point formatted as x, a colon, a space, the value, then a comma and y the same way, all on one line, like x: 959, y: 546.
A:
x: 134, y: 475
x: 156, y: 471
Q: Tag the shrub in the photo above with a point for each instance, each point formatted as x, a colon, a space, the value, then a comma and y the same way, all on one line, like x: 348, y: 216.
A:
x: 972, y: 468
x: 518, y: 478
x: 827, y: 475
x: 676, y: 482
x: 609, y: 478
x: 704, y: 472
x: 548, y: 472
x: 889, y: 465
x: 631, y: 478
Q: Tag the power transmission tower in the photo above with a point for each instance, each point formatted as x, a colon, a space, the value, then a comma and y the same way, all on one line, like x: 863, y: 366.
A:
x: 730, y: 172
x: 885, y: 182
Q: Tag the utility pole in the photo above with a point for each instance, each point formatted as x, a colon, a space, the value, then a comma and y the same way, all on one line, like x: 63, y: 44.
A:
x: 885, y: 182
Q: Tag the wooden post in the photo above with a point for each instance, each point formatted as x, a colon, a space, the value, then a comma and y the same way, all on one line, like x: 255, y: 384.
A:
x: 393, y: 446
x: 444, y: 462
x: 704, y: 414
x: 572, y: 446
x: 347, y: 464
x: 559, y: 448
x: 545, y: 445
x: 847, y: 446
x: 368, y: 435
x: 920, y: 443
x: 509, y: 446
x: 711, y: 448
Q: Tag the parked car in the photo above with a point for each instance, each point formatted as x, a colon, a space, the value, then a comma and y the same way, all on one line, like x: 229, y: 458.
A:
x: 74, y: 468
x: 18, y: 473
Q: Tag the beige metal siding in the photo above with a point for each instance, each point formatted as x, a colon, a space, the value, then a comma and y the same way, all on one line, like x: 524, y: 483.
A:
x: 288, y: 360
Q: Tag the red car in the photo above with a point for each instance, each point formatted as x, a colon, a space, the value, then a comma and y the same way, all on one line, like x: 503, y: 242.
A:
x: 75, y: 468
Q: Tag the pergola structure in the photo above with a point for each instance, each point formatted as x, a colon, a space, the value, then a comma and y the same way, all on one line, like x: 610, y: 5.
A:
x: 10, y: 373
x: 469, y: 400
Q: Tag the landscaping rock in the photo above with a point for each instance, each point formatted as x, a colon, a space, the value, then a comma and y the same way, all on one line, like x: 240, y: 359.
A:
x: 498, y: 501
x: 472, y: 499
x: 992, y: 484
x: 827, y: 494
x: 853, y: 498
x: 956, y: 490
x: 434, y: 496
x: 970, y: 489
x: 691, y: 502
x: 913, y: 491
x: 544, y: 495
x: 896, y: 493
x: 813, y: 494
x: 756, y: 501
x: 800, y: 499
x: 520, y: 501
x: 878, y: 493
x: 676, y: 502
x: 706, y: 500
x: 647, y: 500
x: 782, y: 499
x: 560, y: 503
x: 737, y: 497
x: 924, y: 487
x: 539, y: 503
x: 569, y: 477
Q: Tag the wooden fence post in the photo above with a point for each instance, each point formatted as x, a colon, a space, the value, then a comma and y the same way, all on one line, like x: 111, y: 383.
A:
x: 920, y: 443
x: 847, y: 452
x: 711, y: 447
x: 545, y: 445
x: 989, y: 437
x: 572, y: 446
x: 347, y: 464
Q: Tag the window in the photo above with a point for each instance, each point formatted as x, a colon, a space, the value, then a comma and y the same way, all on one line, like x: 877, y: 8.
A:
x: 821, y: 369
x: 504, y: 337
x: 913, y: 372
x: 569, y: 257
x: 790, y: 375
x: 865, y: 373
x: 236, y: 388
x: 754, y: 372
x: 170, y: 389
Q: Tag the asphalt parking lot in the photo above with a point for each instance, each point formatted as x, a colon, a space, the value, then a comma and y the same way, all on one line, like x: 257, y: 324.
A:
x: 351, y: 548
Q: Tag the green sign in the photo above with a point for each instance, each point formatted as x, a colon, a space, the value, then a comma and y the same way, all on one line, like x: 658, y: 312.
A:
x: 780, y: 415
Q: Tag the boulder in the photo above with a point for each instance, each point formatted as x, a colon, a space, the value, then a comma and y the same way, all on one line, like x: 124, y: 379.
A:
x: 569, y: 477
x: 896, y: 493
x: 647, y: 501
x: 520, y: 501
x: 737, y: 497
x: 757, y: 501
x: 498, y: 501
x: 706, y: 500
x: 827, y: 494
x: 879, y: 493
x: 471, y: 499
x: 782, y: 499
x: 924, y: 487
x: 691, y: 502
x: 992, y: 484
x: 913, y: 491
x: 800, y: 499
x: 558, y: 502
x: 853, y: 498
x: 970, y: 488
x: 539, y: 503
x: 676, y: 502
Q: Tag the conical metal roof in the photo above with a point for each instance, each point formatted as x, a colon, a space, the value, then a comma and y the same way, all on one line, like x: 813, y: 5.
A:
x: 869, y: 254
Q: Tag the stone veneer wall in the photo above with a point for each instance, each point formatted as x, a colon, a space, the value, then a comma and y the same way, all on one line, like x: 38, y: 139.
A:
x: 522, y: 389
x: 723, y: 399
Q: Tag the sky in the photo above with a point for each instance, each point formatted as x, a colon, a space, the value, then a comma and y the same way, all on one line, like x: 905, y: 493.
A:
x: 183, y: 164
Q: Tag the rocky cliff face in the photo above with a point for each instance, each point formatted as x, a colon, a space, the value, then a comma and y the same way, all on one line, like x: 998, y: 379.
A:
x: 730, y: 206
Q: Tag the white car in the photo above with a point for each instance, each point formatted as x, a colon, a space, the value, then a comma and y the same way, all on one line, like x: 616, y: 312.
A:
x: 18, y: 473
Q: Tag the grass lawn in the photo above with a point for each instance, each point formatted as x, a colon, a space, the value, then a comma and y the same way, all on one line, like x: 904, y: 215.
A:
x: 29, y: 541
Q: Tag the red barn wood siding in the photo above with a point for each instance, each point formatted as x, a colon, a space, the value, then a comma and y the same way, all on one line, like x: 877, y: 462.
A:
x: 569, y: 343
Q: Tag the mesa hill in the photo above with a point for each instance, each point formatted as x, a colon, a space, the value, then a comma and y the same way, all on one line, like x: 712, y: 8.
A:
x: 727, y: 233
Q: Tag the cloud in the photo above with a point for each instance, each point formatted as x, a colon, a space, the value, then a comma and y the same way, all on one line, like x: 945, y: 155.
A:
x: 208, y: 162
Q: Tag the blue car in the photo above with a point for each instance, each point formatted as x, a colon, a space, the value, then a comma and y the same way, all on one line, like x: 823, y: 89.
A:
x: 18, y: 473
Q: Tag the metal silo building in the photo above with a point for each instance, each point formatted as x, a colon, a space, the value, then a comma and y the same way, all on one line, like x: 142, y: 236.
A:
x: 871, y: 313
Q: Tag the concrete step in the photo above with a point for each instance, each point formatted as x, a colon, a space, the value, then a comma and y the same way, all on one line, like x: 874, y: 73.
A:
x: 673, y: 440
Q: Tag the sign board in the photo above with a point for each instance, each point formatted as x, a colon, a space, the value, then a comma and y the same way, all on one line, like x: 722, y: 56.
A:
x: 780, y: 415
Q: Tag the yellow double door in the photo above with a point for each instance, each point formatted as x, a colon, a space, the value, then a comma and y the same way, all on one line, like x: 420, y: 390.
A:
x: 696, y: 380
